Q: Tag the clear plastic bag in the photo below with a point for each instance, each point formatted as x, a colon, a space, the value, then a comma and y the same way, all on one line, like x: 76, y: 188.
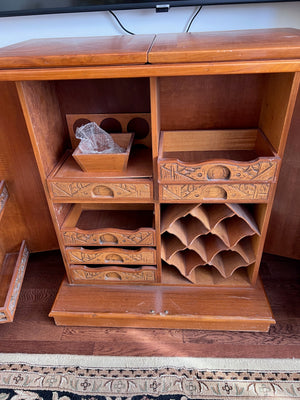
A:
x: 95, y: 140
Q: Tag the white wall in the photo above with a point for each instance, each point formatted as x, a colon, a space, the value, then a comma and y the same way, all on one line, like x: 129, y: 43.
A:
x: 210, y: 18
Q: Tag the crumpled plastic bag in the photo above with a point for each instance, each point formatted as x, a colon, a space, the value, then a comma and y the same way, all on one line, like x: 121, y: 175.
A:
x: 94, y: 139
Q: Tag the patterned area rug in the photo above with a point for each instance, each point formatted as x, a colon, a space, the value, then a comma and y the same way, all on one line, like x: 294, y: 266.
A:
x: 26, y: 381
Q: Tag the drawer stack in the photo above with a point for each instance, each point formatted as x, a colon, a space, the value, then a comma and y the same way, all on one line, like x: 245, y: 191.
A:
x: 218, y: 165
x: 108, y: 234
x: 110, y: 243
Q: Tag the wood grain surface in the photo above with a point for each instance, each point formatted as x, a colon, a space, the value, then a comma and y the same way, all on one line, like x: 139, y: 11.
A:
x: 54, y: 52
x: 224, y: 46
x: 34, y: 332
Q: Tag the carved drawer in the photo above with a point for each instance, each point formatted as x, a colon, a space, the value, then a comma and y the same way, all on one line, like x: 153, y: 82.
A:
x: 83, y: 274
x: 75, y: 191
x: 221, y: 155
x: 235, y: 192
x: 109, y: 225
x: 111, y: 255
x: 69, y: 184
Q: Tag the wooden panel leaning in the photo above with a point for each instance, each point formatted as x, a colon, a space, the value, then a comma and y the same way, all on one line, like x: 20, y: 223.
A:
x: 3, y: 197
x: 11, y: 278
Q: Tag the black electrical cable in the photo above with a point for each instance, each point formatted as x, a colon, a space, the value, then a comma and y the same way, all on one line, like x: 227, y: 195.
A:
x: 193, y: 18
x: 119, y: 22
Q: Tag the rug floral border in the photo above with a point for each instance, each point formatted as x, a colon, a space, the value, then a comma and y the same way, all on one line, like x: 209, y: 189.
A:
x: 23, y: 381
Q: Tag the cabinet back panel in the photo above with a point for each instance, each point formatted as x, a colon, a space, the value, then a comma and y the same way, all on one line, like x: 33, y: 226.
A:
x: 104, y: 96
x: 208, y: 102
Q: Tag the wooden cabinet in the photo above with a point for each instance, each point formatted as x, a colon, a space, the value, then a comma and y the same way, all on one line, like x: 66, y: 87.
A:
x: 175, y: 239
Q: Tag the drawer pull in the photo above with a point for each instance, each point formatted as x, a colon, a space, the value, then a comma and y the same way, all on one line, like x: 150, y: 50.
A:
x: 108, y: 238
x: 114, y: 257
x: 214, y: 192
x: 218, y: 172
x: 112, y: 276
x: 103, y: 191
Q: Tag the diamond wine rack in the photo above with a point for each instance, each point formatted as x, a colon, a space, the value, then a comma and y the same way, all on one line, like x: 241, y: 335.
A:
x: 219, y: 235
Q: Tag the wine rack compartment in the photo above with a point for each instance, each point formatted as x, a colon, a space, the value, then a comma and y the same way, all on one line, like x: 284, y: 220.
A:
x: 115, y: 274
x: 97, y: 225
x: 218, y: 235
x: 216, y: 155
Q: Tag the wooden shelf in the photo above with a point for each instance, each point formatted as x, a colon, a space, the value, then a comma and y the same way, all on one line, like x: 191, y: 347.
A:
x: 244, y: 309
x: 11, y: 278
x: 139, y: 166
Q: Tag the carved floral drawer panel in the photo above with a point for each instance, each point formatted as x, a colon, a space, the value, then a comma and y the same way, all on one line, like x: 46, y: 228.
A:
x: 101, y: 273
x: 77, y: 191
x: 221, y: 155
x: 235, y: 192
x: 69, y: 184
x: 111, y: 225
x: 110, y: 255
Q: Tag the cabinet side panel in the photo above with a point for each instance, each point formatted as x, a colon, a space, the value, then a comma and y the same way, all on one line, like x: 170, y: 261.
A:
x: 283, y: 236
x: 26, y: 206
x: 44, y: 122
x: 277, y: 109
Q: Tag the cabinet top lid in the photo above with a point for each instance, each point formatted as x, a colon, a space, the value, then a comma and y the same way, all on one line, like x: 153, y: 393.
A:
x: 246, y: 45
x: 81, y: 51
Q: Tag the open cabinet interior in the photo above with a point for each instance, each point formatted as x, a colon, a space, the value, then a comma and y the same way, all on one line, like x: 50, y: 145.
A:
x: 184, y: 212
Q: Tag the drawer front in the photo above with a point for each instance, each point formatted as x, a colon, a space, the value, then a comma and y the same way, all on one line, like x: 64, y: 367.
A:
x: 80, y: 191
x: 217, y: 192
x: 218, y: 171
x: 103, y: 274
x: 111, y: 255
x: 109, y: 237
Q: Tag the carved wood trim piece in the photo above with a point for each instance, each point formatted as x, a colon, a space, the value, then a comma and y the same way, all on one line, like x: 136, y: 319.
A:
x: 105, y: 274
x: 113, y: 237
x: 3, y: 197
x: 7, y: 314
x: 111, y: 255
x: 198, y: 192
x: 100, y: 191
x: 220, y: 170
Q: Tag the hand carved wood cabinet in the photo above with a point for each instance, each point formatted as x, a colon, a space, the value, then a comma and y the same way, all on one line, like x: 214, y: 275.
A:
x: 175, y: 239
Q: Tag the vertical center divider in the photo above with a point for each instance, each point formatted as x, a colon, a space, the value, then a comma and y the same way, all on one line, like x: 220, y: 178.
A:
x: 155, y: 134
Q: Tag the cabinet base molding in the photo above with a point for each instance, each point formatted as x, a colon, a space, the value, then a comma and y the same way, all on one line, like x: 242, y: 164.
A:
x: 170, y: 307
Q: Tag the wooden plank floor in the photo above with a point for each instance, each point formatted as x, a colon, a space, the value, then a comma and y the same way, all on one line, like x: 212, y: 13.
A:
x: 34, y: 332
